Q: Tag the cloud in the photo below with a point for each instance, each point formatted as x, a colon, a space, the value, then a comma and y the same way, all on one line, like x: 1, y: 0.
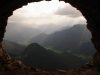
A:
x: 45, y: 21
x: 68, y: 10
x: 33, y: 14
x: 29, y: 18
x: 48, y: 24
x: 19, y: 33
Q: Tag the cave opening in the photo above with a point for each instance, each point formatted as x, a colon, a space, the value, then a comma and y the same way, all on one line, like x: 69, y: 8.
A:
x: 77, y: 19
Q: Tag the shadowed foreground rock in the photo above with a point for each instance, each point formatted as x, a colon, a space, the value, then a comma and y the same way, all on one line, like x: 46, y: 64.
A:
x: 16, y: 67
x: 59, y: 72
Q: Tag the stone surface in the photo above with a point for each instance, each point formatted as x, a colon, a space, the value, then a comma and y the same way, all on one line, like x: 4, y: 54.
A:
x: 57, y: 72
x: 89, y: 9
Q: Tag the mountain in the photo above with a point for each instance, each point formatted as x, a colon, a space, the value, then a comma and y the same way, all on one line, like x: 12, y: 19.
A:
x: 86, y: 48
x: 40, y: 57
x: 14, y: 49
x: 75, y: 39
x: 20, y: 33
x: 39, y: 38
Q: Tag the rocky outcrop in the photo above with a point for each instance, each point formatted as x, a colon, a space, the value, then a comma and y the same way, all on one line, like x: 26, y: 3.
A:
x: 57, y: 72
x: 3, y: 55
x: 9, y: 64
x: 89, y: 8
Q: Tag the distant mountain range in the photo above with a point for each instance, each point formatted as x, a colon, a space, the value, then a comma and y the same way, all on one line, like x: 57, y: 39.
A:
x: 68, y: 39
x: 75, y: 40
x: 39, y: 38
x: 20, y: 34
x: 63, y: 49
x: 14, y: 49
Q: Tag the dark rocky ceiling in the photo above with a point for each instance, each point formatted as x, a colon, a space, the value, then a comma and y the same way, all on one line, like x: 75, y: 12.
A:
x: 89, y: 8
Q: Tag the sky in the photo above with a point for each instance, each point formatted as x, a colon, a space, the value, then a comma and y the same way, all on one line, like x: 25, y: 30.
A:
x: 41, y: 17
x: 47, y: 16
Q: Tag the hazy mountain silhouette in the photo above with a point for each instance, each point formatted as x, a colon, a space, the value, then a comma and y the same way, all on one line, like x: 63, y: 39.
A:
x: 75, y: 39
x: 39, y: 38
x: 20, y: 33
x: 14, y: 49
x: 38, y: 56
x: 86, y: 48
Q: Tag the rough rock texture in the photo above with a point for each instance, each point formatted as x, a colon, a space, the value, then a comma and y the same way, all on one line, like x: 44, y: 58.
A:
x: 57, y: 72
x: 89, y: 8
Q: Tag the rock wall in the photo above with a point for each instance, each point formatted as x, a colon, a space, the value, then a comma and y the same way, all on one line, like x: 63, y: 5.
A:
x: 89, y: 9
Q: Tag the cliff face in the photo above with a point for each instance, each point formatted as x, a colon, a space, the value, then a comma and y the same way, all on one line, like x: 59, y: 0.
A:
x: 89, y: 8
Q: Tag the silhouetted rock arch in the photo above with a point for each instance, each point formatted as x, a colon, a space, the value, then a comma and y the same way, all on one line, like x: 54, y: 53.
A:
x: 89, y: 9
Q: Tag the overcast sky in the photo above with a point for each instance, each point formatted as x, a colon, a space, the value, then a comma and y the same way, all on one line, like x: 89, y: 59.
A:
x: 47, y: 15
x: 38, y: 17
